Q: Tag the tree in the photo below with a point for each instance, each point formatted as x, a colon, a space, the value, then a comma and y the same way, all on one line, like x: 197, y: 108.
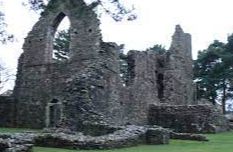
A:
x: 5, y: 76
x: 213, y: 73
x: 4, y: 36
x: 61, y: 45
x: 111, y: 7
x: 158, y: 48
x: 1, y: 79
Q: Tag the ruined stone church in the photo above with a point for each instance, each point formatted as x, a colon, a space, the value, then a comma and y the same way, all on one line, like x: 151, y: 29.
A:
x: 87, y: 92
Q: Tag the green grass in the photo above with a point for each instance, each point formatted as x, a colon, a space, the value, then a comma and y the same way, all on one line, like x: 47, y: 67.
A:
x: 222, y: 142
x: 15, y: 130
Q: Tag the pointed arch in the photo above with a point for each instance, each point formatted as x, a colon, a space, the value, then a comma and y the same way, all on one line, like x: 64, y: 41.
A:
x: 61, y: 37
x: 58, y: 20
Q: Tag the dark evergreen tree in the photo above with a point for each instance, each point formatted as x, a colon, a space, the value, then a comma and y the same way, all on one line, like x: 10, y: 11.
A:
x: 214, y: 73
x: 4, y: 36
x: 61, y: 45
x: 158, y: 48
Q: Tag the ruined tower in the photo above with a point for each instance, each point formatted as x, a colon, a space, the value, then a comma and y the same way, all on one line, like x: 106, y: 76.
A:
x: 178, y: 75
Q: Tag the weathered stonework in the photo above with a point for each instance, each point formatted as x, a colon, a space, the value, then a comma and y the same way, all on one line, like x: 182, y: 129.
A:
x: 111, y: 104
x: 83, y: 88
x: 156, y: 78
x: 124, y: 137
x: 87, y: 92
x: 188, y: 118
x: 178, y: 76
x: 7, y: 111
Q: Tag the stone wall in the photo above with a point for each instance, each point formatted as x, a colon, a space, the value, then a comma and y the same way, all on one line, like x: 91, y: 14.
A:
x: 158, y: 78
x: 122, y: 138
x: 88, y: 88
x: 87, y: 91
x: 85, y: 88
x: 190, y: 119
x: 178, y: 75
x: 141, y: 90
x: 7, y: 112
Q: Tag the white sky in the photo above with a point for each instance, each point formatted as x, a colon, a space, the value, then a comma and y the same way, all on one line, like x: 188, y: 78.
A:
x: 205, y: 20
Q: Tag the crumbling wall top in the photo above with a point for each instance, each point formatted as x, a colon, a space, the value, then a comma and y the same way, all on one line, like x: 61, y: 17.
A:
x: 181, y: 43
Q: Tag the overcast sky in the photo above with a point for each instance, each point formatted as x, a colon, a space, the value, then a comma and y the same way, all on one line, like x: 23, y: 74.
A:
x: 205, y: 20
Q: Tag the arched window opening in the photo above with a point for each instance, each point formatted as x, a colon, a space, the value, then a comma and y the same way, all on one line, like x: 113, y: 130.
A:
x: 61, y: 40
x: 123, y: 69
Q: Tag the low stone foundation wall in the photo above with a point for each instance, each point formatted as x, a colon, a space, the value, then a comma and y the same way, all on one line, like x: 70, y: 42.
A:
x: 7, y: 112
x: 188, y: 118
x: 15, y: 143
x: 126, y: 137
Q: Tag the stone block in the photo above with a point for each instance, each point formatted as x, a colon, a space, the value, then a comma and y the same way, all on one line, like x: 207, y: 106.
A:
x: 156, y: 136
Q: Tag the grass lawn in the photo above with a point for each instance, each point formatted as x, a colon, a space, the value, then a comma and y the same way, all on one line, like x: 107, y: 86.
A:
x: 222, y: 142
x: 15, y: 130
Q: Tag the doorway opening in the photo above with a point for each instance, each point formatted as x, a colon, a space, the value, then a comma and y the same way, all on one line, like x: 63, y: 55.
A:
x: 53, y: 113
